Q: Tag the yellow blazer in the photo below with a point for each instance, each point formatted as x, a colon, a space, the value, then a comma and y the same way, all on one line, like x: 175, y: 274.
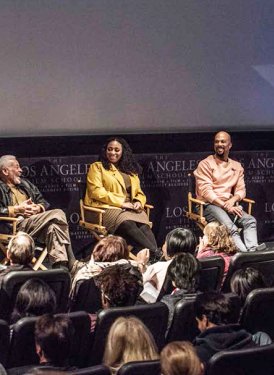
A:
x: 106, y: 188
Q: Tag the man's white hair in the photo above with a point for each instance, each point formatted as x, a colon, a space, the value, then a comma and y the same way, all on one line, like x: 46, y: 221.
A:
x: 4, y: 161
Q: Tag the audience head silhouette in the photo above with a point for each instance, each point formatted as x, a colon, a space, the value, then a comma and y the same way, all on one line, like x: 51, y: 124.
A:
x: 179, y: 240
x: 184, y: 272
x: 180, y: 358
x: 129, y: 340
x: 243, y: 281
x: 110, y: 249
x: 53, y: 339
x: 35, y: 298
x: 21, y: 249
x: 120, y: 285
x: 211, y: 309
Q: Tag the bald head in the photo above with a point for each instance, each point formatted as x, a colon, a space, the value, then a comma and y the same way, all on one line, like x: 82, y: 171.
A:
x: 222, y: 145
x: 223, y: 134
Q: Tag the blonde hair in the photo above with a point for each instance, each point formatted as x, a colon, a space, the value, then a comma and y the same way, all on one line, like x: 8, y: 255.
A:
x: 211, y: 227
x: 221, y: 241
x: 129, y: 340
x: 180, y: 358
x: 110, y: 249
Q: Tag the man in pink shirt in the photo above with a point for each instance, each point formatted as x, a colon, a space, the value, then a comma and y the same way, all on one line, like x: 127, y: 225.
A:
x: 220, y: 183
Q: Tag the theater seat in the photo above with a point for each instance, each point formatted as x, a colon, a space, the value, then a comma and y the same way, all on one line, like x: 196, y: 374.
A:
x: 251, y: 361
x: 154, y: 316
x: 262, y: 261
x: 22, y: 346
x: 93, y: 370
x: 141, y: 368
x: 57, y: 279
x: 87, y: 297
x: 184, y: 326
x: 258, y: 311
x: 4, y: 342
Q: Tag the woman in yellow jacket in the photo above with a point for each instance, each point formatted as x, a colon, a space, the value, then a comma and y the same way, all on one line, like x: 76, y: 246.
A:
x: 113, y: 184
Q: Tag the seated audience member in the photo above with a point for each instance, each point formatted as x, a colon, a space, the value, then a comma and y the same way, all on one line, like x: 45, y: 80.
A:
x: 120, y: 286
x: 107, y: 252
x: 212, y: 310
x: 34, y: 298
x: 243, y: 281
x: 180, y: 358
x: 217, y: 241
x: 20, y: 198
x: 179, y: 240
x: 128, y: 340
x: 19, y: 254
x: 53, y: 342
x: 184, y: 273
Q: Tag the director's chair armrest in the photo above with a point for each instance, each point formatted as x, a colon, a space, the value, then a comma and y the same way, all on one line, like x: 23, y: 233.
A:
x: 13, y: 221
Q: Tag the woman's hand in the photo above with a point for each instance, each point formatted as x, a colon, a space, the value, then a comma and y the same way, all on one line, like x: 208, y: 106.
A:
x: 143, y: 256
x: 142, y: 259
x: 128, y: 206
x: 203, y: 242
x: 137, y: 206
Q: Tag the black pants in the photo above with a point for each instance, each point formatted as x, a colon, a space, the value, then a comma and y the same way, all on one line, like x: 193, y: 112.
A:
x: 137, y: 234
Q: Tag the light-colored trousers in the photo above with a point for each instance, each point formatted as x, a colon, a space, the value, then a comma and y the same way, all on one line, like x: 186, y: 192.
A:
x: 51, y: 228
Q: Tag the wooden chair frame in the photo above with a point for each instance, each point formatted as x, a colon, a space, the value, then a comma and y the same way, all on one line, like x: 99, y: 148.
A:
x: 199, y: 218
x: 96, y: 227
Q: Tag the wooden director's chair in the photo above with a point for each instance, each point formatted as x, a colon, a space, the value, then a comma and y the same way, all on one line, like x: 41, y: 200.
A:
x: 91, y: 218
x: 198, y: 214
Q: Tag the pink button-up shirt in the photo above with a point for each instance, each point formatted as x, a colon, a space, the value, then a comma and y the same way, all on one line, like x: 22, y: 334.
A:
x: 216, y: 179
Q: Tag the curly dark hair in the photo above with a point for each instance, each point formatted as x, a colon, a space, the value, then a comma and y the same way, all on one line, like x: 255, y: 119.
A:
x: 120, y: 284
x: 127, y: 164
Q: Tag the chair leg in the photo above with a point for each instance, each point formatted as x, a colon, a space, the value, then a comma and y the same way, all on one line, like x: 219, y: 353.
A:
x: 38, y: 262
x: 3, y: 248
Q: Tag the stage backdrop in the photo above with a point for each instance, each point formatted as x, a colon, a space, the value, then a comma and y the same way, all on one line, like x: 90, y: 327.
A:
x: 164, y: 180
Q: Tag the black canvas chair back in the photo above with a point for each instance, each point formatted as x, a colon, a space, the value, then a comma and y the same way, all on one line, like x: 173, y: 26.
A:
x: 57, y: 279
x: 22, y: 346
x: 87, y: 297
x: 154, y: 316
x: 82, y: 187
x: 251, y: 361
x: 184, y: 325
x: 261, y: 260
x: 141, y: 368
x: 93, y: 370
x: 211, y: 273
x: 4, y: 342
x: 258, y: 311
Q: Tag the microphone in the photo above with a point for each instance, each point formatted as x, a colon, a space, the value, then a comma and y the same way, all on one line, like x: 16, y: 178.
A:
x: 237, y: 216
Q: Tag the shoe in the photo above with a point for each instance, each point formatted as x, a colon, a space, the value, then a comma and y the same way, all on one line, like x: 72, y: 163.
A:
x: 261, y: 247
x: 77, y: 265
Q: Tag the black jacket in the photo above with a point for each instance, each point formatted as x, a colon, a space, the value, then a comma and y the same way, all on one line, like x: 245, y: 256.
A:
x: 216, y: 339
x: 25, y: 186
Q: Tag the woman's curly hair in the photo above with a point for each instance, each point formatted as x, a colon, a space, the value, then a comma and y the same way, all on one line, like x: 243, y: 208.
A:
x: 127, y: 164
x: 220, y: 241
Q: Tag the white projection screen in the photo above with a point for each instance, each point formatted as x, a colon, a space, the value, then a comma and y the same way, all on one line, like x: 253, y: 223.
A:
x: 76, y: 67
